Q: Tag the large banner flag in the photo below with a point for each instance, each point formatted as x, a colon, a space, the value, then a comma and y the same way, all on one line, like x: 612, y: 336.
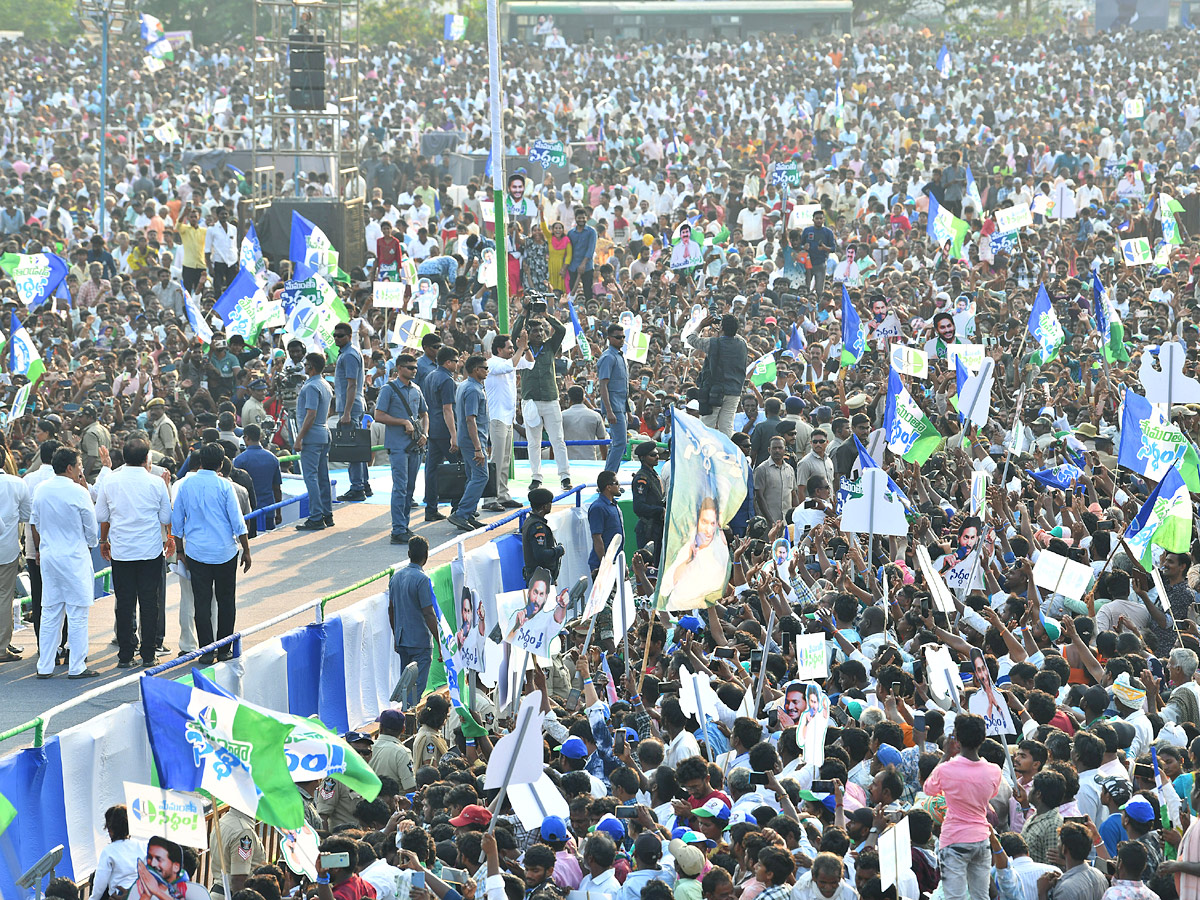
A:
x: 1150, y: 445
x: 311, y: 308
x: 1167, y: 212
x: 206, y: 742
x: 1165, y: 519
x: 911, y: 434
x: 311, y: 251
x: 38, y: 276
x: 973, y: 193
x: 1063, y: 477
x: 944, y: 63
x: 454, y: 27
x: 157, y: 45
x: 251, y: 256
x: 313, y: 752
x: 762, y: 370
x: 245, y: 309
x: 854, y: 333
x: 709, y: 475
x: 1045, y: 328
x: 944, y: 226
x: 1108, y: 323
x: 23, y: 356
x: 195, y: 317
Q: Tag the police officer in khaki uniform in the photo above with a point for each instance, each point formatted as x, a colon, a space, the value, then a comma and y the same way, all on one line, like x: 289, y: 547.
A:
x: 389, y: 757
x: 164, y: 436
x: 240, y: 852
x: 92, y: 437
x: 428, y: 745
x: 336, y: 802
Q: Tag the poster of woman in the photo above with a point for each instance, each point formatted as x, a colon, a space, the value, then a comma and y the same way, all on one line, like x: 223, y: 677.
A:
x: 708, y: 477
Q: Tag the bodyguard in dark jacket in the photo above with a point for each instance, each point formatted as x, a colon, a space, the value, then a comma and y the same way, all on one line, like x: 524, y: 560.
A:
x: 537, y: 540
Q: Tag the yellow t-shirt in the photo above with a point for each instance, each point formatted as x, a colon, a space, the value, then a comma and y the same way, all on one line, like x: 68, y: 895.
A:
x: 193, y: 245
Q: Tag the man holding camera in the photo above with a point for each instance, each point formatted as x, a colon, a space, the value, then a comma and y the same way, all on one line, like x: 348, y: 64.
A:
x: 402, y: 409
x: 540, y: 384
x: 723, y: 375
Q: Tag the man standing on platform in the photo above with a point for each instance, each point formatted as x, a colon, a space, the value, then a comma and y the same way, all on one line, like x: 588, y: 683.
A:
x: 439, y: 390
x: 471, y: 413
x: 501, y: 389
x: 15, y: 507
x: 540, y: 384
x: 401, y: 408
x: 348, y: 395
x: 312, y: 443
x: 63, y: 524
x: 614, y: 394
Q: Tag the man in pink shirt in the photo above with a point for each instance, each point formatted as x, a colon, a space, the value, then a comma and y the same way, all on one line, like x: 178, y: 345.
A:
x: 968, y: 783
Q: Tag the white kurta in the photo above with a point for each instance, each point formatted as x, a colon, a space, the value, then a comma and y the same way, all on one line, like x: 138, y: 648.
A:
x: 66, y: 522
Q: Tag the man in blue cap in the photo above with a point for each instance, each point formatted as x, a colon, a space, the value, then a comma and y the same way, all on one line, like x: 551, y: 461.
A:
x: 574, y: 758
x: 554, y: 834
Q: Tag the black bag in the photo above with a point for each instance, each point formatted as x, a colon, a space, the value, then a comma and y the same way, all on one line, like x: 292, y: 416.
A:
x: 704, y: 384
x: 348, y: 444
x: 452, y: 480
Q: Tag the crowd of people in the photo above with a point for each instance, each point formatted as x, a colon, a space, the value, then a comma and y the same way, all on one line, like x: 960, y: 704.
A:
x: 725, y: 210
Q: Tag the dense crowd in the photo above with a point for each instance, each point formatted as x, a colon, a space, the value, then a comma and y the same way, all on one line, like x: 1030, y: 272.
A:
x: 725, y: 209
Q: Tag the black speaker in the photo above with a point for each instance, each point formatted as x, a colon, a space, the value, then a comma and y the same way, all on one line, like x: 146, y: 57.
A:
x: 344, y: 223
x: 306, y: 70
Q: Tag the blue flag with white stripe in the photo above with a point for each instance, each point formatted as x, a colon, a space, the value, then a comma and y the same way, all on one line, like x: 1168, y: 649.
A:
x: 943, y: 62
x: 1062, y: 477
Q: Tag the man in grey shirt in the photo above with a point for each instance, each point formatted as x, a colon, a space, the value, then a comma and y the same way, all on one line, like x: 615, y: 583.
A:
x: 582, y: 423
x: 724, y: 371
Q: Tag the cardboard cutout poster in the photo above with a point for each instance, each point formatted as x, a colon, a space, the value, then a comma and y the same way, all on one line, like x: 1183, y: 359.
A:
x: 472, y: 632
x: 942, y: 675
x: 988, y: 701
x: 533, y: 618
x: 1167, y: 383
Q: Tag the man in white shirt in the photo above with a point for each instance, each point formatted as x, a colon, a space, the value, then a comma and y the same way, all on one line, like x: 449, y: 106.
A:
x: 681, y: 744
x: 500, y: 386
x: 15, y: 507
x: 221, y: 251
x: 132, y: 506
x: 63, y: 526
x: 750, y: 220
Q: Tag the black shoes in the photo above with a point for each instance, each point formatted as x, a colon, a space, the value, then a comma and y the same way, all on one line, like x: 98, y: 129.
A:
x: 433, y: 516
x: 311, y: 525
x: 352, y: 496
x: 402, y: 538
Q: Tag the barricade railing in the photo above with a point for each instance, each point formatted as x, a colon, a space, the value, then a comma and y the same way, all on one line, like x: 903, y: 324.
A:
x: 41, y: 724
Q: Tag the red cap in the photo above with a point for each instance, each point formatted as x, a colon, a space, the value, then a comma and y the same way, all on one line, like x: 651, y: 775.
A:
x: 472, y: 815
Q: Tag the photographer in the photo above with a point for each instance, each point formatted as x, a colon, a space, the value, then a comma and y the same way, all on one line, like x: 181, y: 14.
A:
x: 288, y: 377
x: 724, y: 372
x: 539, y: 384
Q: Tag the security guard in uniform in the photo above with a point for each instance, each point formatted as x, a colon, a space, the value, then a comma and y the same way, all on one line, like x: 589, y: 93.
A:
x: 428, y: 744
x: 241, y: 852
x: 92, y: 437
x: 335, y: 801
x: 537, y: 540
x: 390, y: 757
x: 648, y: 503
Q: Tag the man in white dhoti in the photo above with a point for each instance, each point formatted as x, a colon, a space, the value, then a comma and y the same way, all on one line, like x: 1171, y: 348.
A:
x: 63, y: 527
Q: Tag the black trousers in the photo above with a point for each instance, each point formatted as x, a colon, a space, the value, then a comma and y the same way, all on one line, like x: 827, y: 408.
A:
x: 209, y: 579
x: 35, y: 594
x: 437, y: 452
x: 222, y: 275
x: 135, y: 584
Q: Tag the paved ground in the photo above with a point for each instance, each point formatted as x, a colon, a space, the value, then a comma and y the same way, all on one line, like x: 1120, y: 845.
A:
x: 289, y: 569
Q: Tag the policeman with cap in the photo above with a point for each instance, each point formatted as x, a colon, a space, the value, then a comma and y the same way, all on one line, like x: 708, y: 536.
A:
x: 92, y: 437
x: 537, y: 540
x: 648, y: 503
x: 390, y: 757
x: 335, y: 801
x: 254, y: 411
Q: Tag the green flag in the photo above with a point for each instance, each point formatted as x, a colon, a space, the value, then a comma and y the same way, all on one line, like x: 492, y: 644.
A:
x: 762, y: 370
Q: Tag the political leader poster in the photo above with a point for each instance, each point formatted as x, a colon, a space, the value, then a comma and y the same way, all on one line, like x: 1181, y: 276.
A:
x: 708, y: 485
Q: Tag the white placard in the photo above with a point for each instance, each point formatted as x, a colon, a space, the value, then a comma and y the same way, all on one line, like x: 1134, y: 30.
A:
x: 533, y: 802
x: 972, y: 355
x: 942, y: 601
x: 895, y: 854
x: 1135, y: 108
x: 910, y: 361
x: 959, y: 577
x: 388, y: 294
x: 812, y: 657
x: 941, y: 673
x: 1061, y: 575
x: 878, y: 511
x: 1011, y: 219
x: 175, y: 815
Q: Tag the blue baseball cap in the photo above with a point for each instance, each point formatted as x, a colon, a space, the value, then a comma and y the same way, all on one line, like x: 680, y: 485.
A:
x: 611, y: 825
x: 690, y: 623
x: 554, y: 828
x: 888, y: 755
x: 574, y: 748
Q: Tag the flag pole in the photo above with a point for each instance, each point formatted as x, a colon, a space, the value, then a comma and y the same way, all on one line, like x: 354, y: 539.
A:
x: 497, y: 125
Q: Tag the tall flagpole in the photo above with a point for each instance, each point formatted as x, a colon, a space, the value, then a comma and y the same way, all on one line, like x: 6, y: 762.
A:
x: 493, y: 25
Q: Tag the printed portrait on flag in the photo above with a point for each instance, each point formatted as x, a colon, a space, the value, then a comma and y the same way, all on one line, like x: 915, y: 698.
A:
x: 472, y: 630
x: 708, y: 478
